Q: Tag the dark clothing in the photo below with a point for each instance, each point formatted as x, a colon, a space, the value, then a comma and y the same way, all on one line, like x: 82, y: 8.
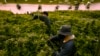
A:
x: 45, y: 19
x: 64, y: 49
x: 67, y: 49
x: 55, y: 42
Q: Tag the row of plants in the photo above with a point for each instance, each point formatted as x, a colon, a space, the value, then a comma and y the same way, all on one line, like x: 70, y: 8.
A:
x: 22, y: 36
x: 47, y: 1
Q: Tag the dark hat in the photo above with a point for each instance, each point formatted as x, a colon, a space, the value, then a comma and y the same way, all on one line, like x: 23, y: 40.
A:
x: 65, y: 30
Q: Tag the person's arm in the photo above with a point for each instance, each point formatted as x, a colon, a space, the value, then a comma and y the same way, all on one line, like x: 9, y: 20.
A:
x: 51, y: 41
x: 47, y: 22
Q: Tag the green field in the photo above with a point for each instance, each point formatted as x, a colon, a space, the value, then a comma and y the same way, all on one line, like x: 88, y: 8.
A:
x: 21, y: 36
x: 47, y: 1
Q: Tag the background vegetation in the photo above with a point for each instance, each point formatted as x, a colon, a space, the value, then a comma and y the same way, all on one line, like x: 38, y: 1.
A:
x: 22, y: 36
x: 48, y: 1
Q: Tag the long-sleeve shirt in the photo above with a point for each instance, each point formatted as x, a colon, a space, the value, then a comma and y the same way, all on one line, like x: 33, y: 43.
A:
x: 67, y: 49
x: 45, y: 19
x: 64, y: 49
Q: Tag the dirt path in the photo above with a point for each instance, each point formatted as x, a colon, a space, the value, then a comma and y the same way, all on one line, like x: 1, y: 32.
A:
x: 34, y: 7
